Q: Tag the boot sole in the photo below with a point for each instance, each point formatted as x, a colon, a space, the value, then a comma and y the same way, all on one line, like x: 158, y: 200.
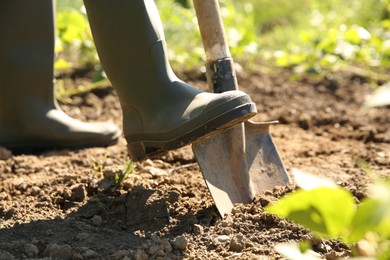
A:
x: 141, y: 150
x: 37, y: 147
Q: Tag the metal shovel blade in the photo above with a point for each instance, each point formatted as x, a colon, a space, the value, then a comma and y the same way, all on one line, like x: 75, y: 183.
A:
x: 243, y: 161
x: 239, y: 164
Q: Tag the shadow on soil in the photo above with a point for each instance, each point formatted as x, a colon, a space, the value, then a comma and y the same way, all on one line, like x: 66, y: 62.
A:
x: 108, y: 222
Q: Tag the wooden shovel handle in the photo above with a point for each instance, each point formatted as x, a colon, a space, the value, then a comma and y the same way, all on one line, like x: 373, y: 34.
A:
x: 220, y: 66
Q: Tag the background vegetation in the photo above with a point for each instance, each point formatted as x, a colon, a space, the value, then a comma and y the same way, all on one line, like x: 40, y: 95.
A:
x: 305, y: 35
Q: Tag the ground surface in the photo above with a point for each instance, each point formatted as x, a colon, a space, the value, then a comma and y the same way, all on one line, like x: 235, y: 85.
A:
x: 55, y: 204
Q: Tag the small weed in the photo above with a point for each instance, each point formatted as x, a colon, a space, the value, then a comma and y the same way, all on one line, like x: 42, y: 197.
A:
x: 122, y: 176
x: 98, y: 166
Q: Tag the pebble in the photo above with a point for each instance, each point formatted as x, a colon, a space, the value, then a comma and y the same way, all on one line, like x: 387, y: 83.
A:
x: 96, y: 220
x: 5, y: 154
x: 78, y: 193
x: 4, y: 255
x: 30, y: 250
x: 82, y: 236
x: 165, y: 245
x: 58, y: 251
x: 77, y: 256
x: 35, y: 191
x: 121, y: 255
x: 155, y: 172
x: 155, y: 238
x: 4, y: 196
x: 223, y: 238
x: 152, y: 250
x: 236, y: 243
x: 49, y: 232
x: 159, y: 252
x: 180, y: 243
x: 90, y: 254
x: 227, y: 231
x: 198, y: 229
x: 140, y: 255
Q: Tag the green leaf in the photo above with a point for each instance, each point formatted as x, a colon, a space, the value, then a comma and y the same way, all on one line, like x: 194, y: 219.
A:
x: 325, y: 211
x: 368, y: 217
x: 61, y: 64
x: 72, y: 25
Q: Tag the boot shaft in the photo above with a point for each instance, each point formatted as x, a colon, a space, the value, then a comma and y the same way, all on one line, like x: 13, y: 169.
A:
x: 26, y: 53
x: 130, y: 41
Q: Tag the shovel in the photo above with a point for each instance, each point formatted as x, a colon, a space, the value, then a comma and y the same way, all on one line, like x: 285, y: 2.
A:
x: 242, y: 162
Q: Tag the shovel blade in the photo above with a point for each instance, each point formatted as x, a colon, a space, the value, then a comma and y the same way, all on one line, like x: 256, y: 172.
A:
x: 239, y: 164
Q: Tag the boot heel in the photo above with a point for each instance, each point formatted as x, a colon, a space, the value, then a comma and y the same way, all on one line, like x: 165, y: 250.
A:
x: 137, y: 151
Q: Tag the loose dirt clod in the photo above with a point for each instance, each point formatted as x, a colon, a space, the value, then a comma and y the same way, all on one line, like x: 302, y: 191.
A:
x: 58, y: 251
x: 180, y: 243
x: 97, y: 220
x: 31, y: 250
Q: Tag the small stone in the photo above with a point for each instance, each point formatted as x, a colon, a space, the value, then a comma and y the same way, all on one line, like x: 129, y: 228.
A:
x: 4, y: 196
x: 49, y: 232
x: 152, y: 250
x: 58, y: 251
x: 155, y: 238
x: 236, y: 243
x: 5, y: 154
x: 180, y: 243
x: 82, y: 236
x: 227, y: 231
x: 35, y: 190
x: 165, y: 245
x: 140, y: 255
x: 90, y: 254
x: 97, y: 220
x: 78, y: 193
x: 198, y: 229
x: 155, y: 172
x: 30, y: 250
x: 264, y: 201
x: 77, y: 256
x: 223, y: 238
x: 160, y: 252
x: 4, y: 255
x: 120, y: 255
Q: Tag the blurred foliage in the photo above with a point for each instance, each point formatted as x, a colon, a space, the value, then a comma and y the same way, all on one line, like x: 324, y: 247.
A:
x: 331, y: 212
x: 308, y: 36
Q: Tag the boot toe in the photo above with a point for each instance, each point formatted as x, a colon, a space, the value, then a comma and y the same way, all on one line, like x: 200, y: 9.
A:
x: 207, y: 115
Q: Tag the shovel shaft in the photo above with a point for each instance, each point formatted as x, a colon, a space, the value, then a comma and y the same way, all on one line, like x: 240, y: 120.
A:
x: 242, y: 161
x: 220, y: 72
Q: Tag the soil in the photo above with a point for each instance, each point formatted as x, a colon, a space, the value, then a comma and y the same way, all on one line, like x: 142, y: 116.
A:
x: 65, y: 204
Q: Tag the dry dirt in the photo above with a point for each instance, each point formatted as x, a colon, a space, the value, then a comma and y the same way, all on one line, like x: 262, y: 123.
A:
x: 55, y: 205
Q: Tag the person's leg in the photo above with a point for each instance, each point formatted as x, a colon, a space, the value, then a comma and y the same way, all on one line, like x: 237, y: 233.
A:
x: 160, y: 112
x: 29, y: 115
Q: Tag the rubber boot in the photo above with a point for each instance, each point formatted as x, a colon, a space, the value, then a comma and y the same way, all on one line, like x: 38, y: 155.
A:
x: 160, y: 112
x: 30, y: 118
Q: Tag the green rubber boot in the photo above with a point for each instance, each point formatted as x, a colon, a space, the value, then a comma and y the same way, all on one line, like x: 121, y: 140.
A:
x: 160, y: 112
x: 30, y: 118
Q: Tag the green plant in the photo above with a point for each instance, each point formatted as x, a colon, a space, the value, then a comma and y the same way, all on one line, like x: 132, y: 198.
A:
x: 98, y: 166
x: 122, y: 176
x: 330, y: 212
